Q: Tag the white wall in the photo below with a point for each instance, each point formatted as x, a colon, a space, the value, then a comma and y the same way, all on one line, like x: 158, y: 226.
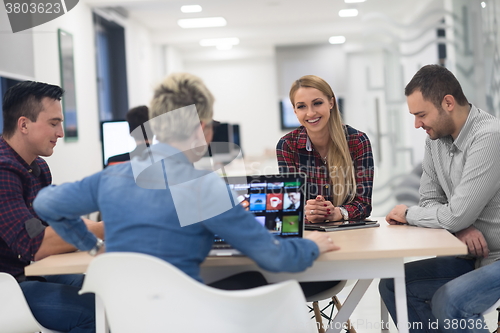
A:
x: 325, y: 60
x: 16, y: 51
x: 141, y: 70
x: 245, y: 92
x: 72, y: 160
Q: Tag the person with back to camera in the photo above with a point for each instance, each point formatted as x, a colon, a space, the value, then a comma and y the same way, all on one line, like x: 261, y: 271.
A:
x: 459, y: 192
x: 337, y: 158
x: 135, y: 117
x: 152, y: 217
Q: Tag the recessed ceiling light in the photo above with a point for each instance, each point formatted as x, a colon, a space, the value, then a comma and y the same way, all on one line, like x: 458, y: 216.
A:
x: 348, y: 12
x: 353, y: 1
x: 191, y: 9
x: 219, y: 41
x: 337, y: 40
x: 483, y: 4
x: 204, y: 22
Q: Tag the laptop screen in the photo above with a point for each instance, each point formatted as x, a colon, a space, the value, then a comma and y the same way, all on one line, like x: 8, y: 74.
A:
x: 276, y: 201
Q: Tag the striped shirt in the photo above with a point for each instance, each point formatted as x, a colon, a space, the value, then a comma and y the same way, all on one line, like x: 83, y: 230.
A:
x: 460, y: 184
x: 295, y: 153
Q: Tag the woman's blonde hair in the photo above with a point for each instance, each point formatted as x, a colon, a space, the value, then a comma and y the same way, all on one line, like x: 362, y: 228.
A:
x: 176, y: 91
x: 339, y: 161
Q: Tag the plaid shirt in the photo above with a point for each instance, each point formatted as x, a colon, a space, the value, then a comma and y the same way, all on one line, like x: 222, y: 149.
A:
x: 296, y: 153
x: 21, y: 232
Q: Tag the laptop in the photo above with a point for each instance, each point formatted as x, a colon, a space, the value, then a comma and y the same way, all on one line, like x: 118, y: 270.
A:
x: 276, y: 201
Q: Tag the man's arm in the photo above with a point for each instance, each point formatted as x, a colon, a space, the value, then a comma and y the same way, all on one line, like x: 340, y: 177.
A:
x: 52, y: 243
x: 479, y: 182
x: 61, y: 206
x: 431, y: 195
x: 20, y: 229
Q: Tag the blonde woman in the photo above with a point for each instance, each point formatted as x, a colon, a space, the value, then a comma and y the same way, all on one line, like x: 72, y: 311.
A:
x: 337, y: 158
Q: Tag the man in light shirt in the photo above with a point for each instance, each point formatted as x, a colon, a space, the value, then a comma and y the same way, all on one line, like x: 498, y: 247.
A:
x: 459, y: 192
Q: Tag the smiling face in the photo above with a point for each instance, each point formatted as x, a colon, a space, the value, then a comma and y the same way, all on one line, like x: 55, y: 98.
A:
x: 435, y: 121
x: 42, y: 134
x: 312, y: 109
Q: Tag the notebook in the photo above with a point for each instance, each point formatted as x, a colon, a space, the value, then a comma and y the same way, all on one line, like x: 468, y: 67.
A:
x: 276, y: 201
x: 342, y: 225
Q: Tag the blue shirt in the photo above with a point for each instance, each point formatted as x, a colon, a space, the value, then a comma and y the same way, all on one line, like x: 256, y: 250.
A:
x: 144, y: 203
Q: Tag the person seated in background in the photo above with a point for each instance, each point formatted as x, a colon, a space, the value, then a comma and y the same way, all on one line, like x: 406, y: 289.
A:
x: 135, y: 117
x: 336, y: 158
x: 459, y: 192
x: 33, y: 117
x: 160, y: 205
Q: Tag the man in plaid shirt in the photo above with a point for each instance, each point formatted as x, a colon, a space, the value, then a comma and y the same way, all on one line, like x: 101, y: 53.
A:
x: 32, y: 125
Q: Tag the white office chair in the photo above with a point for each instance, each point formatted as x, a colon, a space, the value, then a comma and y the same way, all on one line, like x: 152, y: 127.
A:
x: 494, y: 307
x: 142, y: 293
x: 15, y: 314
x: 334, y: 302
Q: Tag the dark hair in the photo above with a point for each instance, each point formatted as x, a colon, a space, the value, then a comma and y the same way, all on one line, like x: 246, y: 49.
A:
x: 136, y: 117
x: 435, y: 82
x: 25, y: 100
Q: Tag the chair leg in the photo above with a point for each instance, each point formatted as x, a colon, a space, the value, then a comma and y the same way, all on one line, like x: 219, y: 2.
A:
x: 338, y: 305
x: 319, y: 320
x: 498, y: 324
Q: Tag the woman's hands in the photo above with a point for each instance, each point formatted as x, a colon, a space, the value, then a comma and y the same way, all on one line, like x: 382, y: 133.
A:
x: 318, y: 210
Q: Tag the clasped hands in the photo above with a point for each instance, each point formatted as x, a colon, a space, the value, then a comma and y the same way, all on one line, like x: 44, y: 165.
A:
x: 320, y: 210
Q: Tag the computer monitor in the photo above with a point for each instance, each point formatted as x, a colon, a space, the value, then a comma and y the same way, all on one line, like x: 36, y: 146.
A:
x: 116, y: 139
x: 223, y: 136
x: 237, y: 137
x: 224, y: 148
x: 288, y: 118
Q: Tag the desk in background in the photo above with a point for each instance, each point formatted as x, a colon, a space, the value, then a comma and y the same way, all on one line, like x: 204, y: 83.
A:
x: 365, y: 254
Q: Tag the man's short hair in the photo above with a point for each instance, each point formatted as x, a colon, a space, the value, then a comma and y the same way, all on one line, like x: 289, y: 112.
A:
x: 136, y: 117
x: 25, y: 100
x: 435, y: 82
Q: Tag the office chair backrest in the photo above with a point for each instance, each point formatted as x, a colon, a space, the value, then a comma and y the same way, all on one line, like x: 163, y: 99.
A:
x: 15, y: 314
x: 142, y: 293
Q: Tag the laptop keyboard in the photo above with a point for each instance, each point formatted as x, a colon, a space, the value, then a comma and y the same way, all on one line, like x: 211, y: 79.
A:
x: 221, y: 246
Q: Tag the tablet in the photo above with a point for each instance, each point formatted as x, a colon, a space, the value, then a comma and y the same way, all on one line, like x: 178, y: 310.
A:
x: 342, y: 225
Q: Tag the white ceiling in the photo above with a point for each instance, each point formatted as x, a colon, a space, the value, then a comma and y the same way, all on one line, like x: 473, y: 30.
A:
x: 265, y: 23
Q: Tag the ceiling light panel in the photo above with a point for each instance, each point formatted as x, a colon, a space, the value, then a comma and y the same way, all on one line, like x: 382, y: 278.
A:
x: 191, y: 9
x: 204, y: 22
x: 352, y: 12
x: 337, y: 40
